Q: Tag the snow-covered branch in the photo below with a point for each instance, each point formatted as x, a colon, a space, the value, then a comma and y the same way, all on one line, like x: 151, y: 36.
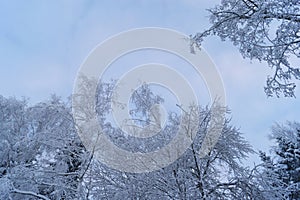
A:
x: 14, y: 190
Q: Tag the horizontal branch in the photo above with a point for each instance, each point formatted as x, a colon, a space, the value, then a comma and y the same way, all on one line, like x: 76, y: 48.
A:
x: 29, y: 193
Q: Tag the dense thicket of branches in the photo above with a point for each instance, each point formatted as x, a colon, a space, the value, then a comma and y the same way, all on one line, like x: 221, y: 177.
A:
x: 42, y: 157
x: 266, y: 30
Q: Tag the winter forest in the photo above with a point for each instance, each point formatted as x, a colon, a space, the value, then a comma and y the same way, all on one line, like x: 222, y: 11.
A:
x: 42, y: 156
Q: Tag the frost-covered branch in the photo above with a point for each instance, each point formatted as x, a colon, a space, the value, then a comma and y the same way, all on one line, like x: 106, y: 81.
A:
x: 249, y: 25
x: 14, y: 190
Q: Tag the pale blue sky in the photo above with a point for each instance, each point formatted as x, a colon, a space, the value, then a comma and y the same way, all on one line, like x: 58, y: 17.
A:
x: 43, y: 43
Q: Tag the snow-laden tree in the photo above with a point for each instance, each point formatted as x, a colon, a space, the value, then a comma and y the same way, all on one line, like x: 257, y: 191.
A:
x: 41, y: 154
x: 42, y: 157
x: 281, y: 172
x: 218, y: 175
x: 266, y: 30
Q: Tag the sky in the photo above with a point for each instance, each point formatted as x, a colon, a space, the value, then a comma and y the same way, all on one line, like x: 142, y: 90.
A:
x: 43, y: 43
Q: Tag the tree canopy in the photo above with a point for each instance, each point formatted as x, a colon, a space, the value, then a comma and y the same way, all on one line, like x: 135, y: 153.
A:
x: 42, y: 157
x: 267, y: 30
